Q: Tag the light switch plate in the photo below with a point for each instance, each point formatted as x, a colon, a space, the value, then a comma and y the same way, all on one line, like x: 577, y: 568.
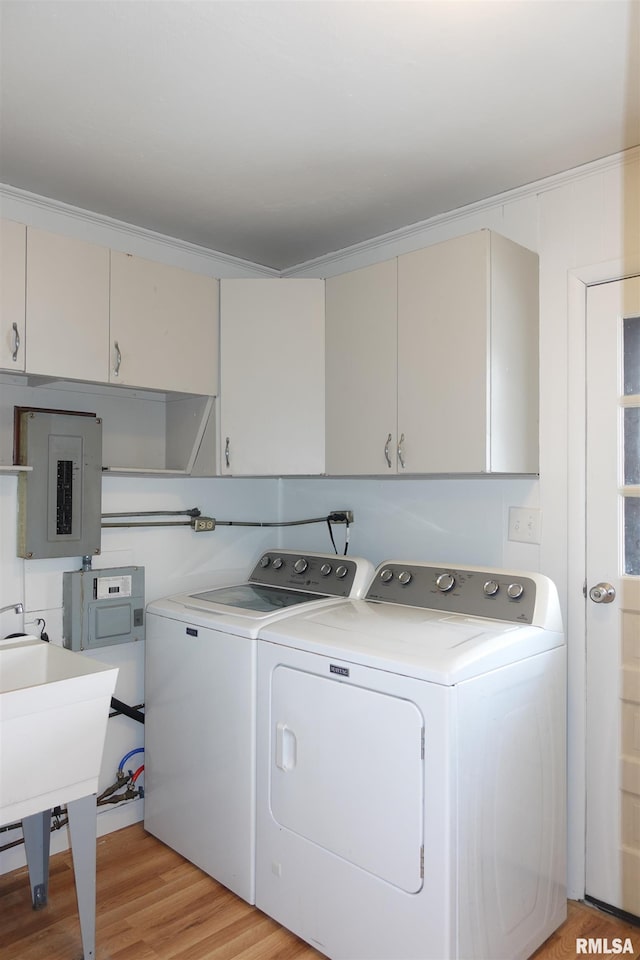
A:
x: 525, y: 524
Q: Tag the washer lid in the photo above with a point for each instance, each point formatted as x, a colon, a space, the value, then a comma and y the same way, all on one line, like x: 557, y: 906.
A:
x: 426, y: 644
x: 254, y: 597
x: 225, y: 609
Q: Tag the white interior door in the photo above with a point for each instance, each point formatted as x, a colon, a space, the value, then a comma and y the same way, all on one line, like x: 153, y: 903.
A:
x: 613, y: 594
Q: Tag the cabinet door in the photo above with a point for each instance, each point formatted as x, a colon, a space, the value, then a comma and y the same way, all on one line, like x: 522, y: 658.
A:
x: 67, y: 307
x: 443, y: 334
x: 12, y: 294
x: 164, y: 327
x: 361, y: 370
x: 272, y: 377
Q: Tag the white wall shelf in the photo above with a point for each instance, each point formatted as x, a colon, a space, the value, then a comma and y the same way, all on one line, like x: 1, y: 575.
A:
x: 144, y: 433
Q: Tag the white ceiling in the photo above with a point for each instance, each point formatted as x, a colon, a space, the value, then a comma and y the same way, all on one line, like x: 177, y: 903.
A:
x: 281, y: 131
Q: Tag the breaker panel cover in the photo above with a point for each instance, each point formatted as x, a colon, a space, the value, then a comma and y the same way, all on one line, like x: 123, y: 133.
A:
x: 102, y: 607
x: 60, y: 499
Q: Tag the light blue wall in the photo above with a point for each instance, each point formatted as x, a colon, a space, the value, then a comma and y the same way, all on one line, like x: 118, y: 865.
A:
x: 448, y: 520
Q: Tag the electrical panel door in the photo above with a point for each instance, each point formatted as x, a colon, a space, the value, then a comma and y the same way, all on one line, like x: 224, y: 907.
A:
x: 60, y: 498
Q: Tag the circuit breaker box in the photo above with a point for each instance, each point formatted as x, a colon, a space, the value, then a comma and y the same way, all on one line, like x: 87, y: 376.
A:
x: 102, y: 607
x: 60, y: 498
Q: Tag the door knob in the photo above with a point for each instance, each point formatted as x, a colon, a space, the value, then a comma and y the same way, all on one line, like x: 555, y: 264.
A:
x: 602, y: 593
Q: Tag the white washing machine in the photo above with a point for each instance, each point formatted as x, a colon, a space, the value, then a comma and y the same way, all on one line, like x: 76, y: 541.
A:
x: 200, y: 696
x: 411, y: 768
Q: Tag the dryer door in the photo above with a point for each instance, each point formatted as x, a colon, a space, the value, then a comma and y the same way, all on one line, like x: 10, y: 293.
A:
x: 347, y: 772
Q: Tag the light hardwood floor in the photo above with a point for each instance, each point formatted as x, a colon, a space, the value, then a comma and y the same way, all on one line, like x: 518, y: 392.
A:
x: 153, y: 905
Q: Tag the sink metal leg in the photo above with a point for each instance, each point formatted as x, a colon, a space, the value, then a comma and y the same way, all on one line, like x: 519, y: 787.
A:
x: 36, y: 830
x: 82, y: 825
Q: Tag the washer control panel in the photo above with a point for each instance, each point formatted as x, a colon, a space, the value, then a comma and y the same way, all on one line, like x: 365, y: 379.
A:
x: 472, y: 592
x: 332, y: 574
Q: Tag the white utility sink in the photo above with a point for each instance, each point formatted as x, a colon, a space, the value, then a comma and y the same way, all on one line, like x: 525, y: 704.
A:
x: 54, y: 707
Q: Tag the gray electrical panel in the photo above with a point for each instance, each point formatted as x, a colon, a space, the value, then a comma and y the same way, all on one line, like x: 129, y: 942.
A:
x: 102, y: 607
x: 60, y: 499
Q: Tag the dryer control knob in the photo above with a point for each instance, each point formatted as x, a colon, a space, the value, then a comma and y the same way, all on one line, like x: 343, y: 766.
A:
x: 405, y: 577
x: 277, y: 563
x: 300, y: 565
x: 445, y: 582
x: 386, y: 576
x: 515, y: 591
x: 265, y: 561
x: 491, y: 587
x: 341, y: 572
x: 326, y: 569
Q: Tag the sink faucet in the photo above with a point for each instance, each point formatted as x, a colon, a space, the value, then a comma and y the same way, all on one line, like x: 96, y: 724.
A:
x: 16, y: 607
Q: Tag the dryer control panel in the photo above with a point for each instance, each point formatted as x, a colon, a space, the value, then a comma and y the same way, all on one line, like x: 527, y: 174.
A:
x: 468, y: 591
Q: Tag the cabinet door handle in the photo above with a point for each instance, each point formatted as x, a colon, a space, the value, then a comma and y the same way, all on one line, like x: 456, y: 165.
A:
x: 401, y: 451
x: 387, y: 455
x: 118, y: 360
x: 227, y: 452
x: 16, y: 342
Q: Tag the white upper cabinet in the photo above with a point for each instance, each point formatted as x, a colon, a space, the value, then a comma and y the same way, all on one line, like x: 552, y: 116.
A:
x: 272, y: 377
x: 164, y: 327
x: 67, y: 326
x: 468, y: 357
x: 12, y: 294
x: 449, y: 384
x: 361, y: 371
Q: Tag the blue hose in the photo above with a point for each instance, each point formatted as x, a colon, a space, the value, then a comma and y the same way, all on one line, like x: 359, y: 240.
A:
x: 127, y: 756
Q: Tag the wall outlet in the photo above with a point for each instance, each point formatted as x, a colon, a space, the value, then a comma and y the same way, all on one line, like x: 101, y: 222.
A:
x: 341, y: 516
x: 525, y: 524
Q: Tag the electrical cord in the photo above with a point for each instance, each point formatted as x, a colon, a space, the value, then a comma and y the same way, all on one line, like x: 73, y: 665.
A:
x: 346, y: 534
x: 194, y: 513
x: 335, y: 549
x: 333, y: 517
x: 271, y: 523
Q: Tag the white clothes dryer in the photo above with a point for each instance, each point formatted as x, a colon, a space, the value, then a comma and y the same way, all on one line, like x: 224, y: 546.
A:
x: 411, y: 768
x: 200, y: 696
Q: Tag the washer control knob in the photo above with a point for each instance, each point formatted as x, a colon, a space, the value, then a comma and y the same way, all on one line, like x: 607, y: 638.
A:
x: 341, y: 572
x: 265, y: 561
x: 405, y: 577
x: 387, y: 575
x: 445, y: 582
x: 300, y: 565
x: 278, y: 563
x: 326, y: 569
x: 515, y: 591
x: 491, y: 587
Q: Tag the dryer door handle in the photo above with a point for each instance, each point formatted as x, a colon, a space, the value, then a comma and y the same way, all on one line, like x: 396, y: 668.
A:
x: 286, y: 747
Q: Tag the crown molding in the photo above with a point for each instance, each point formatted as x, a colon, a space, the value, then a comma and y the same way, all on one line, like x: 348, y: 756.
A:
x: 415, y: 235
x: 385, y: 245
x: 221, y: 263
